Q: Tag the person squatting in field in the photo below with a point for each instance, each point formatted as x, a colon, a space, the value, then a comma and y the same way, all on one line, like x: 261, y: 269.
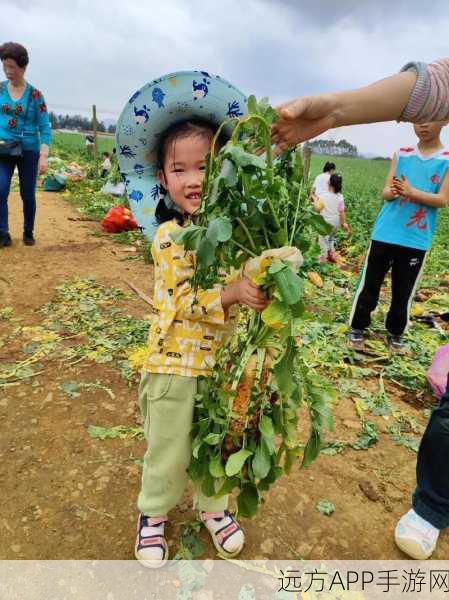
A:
x: 417, y: 185
x: 191, y: 326
x: 331, y: 206
x: 23, y: 118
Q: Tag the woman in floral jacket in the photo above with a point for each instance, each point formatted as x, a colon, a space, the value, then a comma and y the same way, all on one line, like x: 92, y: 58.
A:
x: 23, y: 112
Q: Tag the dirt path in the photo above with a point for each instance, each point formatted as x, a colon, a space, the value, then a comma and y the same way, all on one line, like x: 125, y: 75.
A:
x: 68, y: 496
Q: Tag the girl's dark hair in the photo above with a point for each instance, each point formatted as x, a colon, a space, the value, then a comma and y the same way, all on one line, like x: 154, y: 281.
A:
x: 336, y: 182
x: 16, y: 52
x: 328, y: 167
x: 182, y: 129
x: 163, y: 213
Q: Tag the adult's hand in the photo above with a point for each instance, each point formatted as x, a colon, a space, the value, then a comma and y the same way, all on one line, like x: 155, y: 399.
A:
x: 43, y: 164
x: 302, y: 119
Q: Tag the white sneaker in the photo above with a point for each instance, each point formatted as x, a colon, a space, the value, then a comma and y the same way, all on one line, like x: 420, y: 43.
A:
x: 415, y: 536
x: 226, y: 534
x: 151, y: 548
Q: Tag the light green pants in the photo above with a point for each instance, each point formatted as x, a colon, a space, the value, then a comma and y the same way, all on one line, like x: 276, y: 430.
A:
x: 167, y: 403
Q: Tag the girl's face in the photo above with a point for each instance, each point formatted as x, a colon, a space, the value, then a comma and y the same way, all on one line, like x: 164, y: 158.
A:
x: 183, y: 171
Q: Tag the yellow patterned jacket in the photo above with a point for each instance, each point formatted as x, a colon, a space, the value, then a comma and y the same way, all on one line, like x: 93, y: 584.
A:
x: 187, y: 327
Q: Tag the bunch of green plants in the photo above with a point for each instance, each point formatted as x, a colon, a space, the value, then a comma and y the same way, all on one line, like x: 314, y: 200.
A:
x: 246, y: 427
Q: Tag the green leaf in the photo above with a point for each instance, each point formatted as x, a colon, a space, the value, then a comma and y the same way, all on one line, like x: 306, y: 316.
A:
x: 216, y: 468
x: 276, y: 315
x: 189, y: 237
x: 289, y: 284
x: 71, y: 388
x: 192, y: 546
x: 206, y: 252
x: 319, y: 224
x: 367, y: 438
x: 312, y: 449
x: 236, y: 461
x: 266, y: 428
x: 321, y: 407
x: 252, y: 105
x: 244, y: 159
x: 261, y: 461
x: 276, y: 266
x: 212, y: 438
x: 275, y: 473
x: 284, y: 369
x: 219, y: 230
x: 228, y: 174
x: 208, y: 485
x: 325, y: 507
x: 228, y: 486
x: 248, y: 500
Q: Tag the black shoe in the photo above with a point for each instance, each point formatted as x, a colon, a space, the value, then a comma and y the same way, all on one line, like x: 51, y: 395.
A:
x: 28, y: 238
x: 5, y: 240
x: 396, y: 343
x: 356, y: 339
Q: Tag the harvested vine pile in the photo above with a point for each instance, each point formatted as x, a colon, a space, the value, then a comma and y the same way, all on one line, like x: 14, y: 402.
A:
x: 255, y: 218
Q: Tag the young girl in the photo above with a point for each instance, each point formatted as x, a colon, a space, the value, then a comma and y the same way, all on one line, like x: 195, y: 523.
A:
x: 331, y: 206
x: 187, y: 330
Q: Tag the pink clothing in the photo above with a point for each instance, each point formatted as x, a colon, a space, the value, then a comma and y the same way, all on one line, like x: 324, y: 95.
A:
x: 429, y: 100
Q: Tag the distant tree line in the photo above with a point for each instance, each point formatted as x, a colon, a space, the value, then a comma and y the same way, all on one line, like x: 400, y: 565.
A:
x: 77, y: 122
x: 340, y: 148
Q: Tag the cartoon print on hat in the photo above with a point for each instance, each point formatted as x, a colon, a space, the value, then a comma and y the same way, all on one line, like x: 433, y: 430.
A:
x: 149, y: 112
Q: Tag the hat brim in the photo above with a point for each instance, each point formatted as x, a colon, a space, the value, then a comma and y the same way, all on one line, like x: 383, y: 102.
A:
x: 149, y: 112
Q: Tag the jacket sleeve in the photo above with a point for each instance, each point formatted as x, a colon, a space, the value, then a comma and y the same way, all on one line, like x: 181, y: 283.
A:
x: 429, y: 100
x: 43, y: 121
x: 174, y: 267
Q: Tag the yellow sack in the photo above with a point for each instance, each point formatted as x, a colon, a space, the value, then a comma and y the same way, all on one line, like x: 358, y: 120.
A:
x: 255, y: 268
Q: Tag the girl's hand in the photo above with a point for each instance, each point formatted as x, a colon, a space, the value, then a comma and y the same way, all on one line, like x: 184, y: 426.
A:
x: 346, y: 227
x: 244, y: 291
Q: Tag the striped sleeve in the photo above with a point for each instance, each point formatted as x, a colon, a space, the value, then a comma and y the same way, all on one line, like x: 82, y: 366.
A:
x: 429, y: 100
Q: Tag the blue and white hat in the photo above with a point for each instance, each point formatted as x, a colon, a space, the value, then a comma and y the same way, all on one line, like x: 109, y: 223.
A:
x: 149, y: 112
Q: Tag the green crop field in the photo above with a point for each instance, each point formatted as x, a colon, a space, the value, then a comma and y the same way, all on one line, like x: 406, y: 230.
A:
x: 75, y: 142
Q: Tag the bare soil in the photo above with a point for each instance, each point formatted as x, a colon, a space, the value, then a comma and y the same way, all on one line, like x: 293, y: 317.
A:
x: 67, y: 496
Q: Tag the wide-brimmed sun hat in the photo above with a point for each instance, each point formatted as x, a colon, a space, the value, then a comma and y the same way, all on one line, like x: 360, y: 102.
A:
x: 149, y: 112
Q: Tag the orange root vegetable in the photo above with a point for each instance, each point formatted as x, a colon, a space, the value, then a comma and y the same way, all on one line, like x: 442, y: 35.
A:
x: 243, y: 394
x: 315, y: 279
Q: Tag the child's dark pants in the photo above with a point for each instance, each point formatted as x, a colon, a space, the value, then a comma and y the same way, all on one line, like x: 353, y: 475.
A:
x: 406, y: 265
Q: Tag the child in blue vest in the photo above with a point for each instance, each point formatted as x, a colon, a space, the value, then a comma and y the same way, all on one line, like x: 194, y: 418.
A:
x: 417, y: 186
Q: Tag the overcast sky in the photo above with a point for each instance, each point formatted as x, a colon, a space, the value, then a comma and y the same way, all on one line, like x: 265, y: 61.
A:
x: 99, y: 51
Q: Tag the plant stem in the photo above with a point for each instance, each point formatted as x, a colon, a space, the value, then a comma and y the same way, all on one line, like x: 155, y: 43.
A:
x: 248, y: 235
x: 265, y: 234
x: 244, y: 248
x: 269, y: 155
x: 296, y: 213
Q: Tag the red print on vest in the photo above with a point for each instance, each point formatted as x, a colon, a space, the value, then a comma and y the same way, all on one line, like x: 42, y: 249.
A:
x: 418, y: 219
x: 435, y: 178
